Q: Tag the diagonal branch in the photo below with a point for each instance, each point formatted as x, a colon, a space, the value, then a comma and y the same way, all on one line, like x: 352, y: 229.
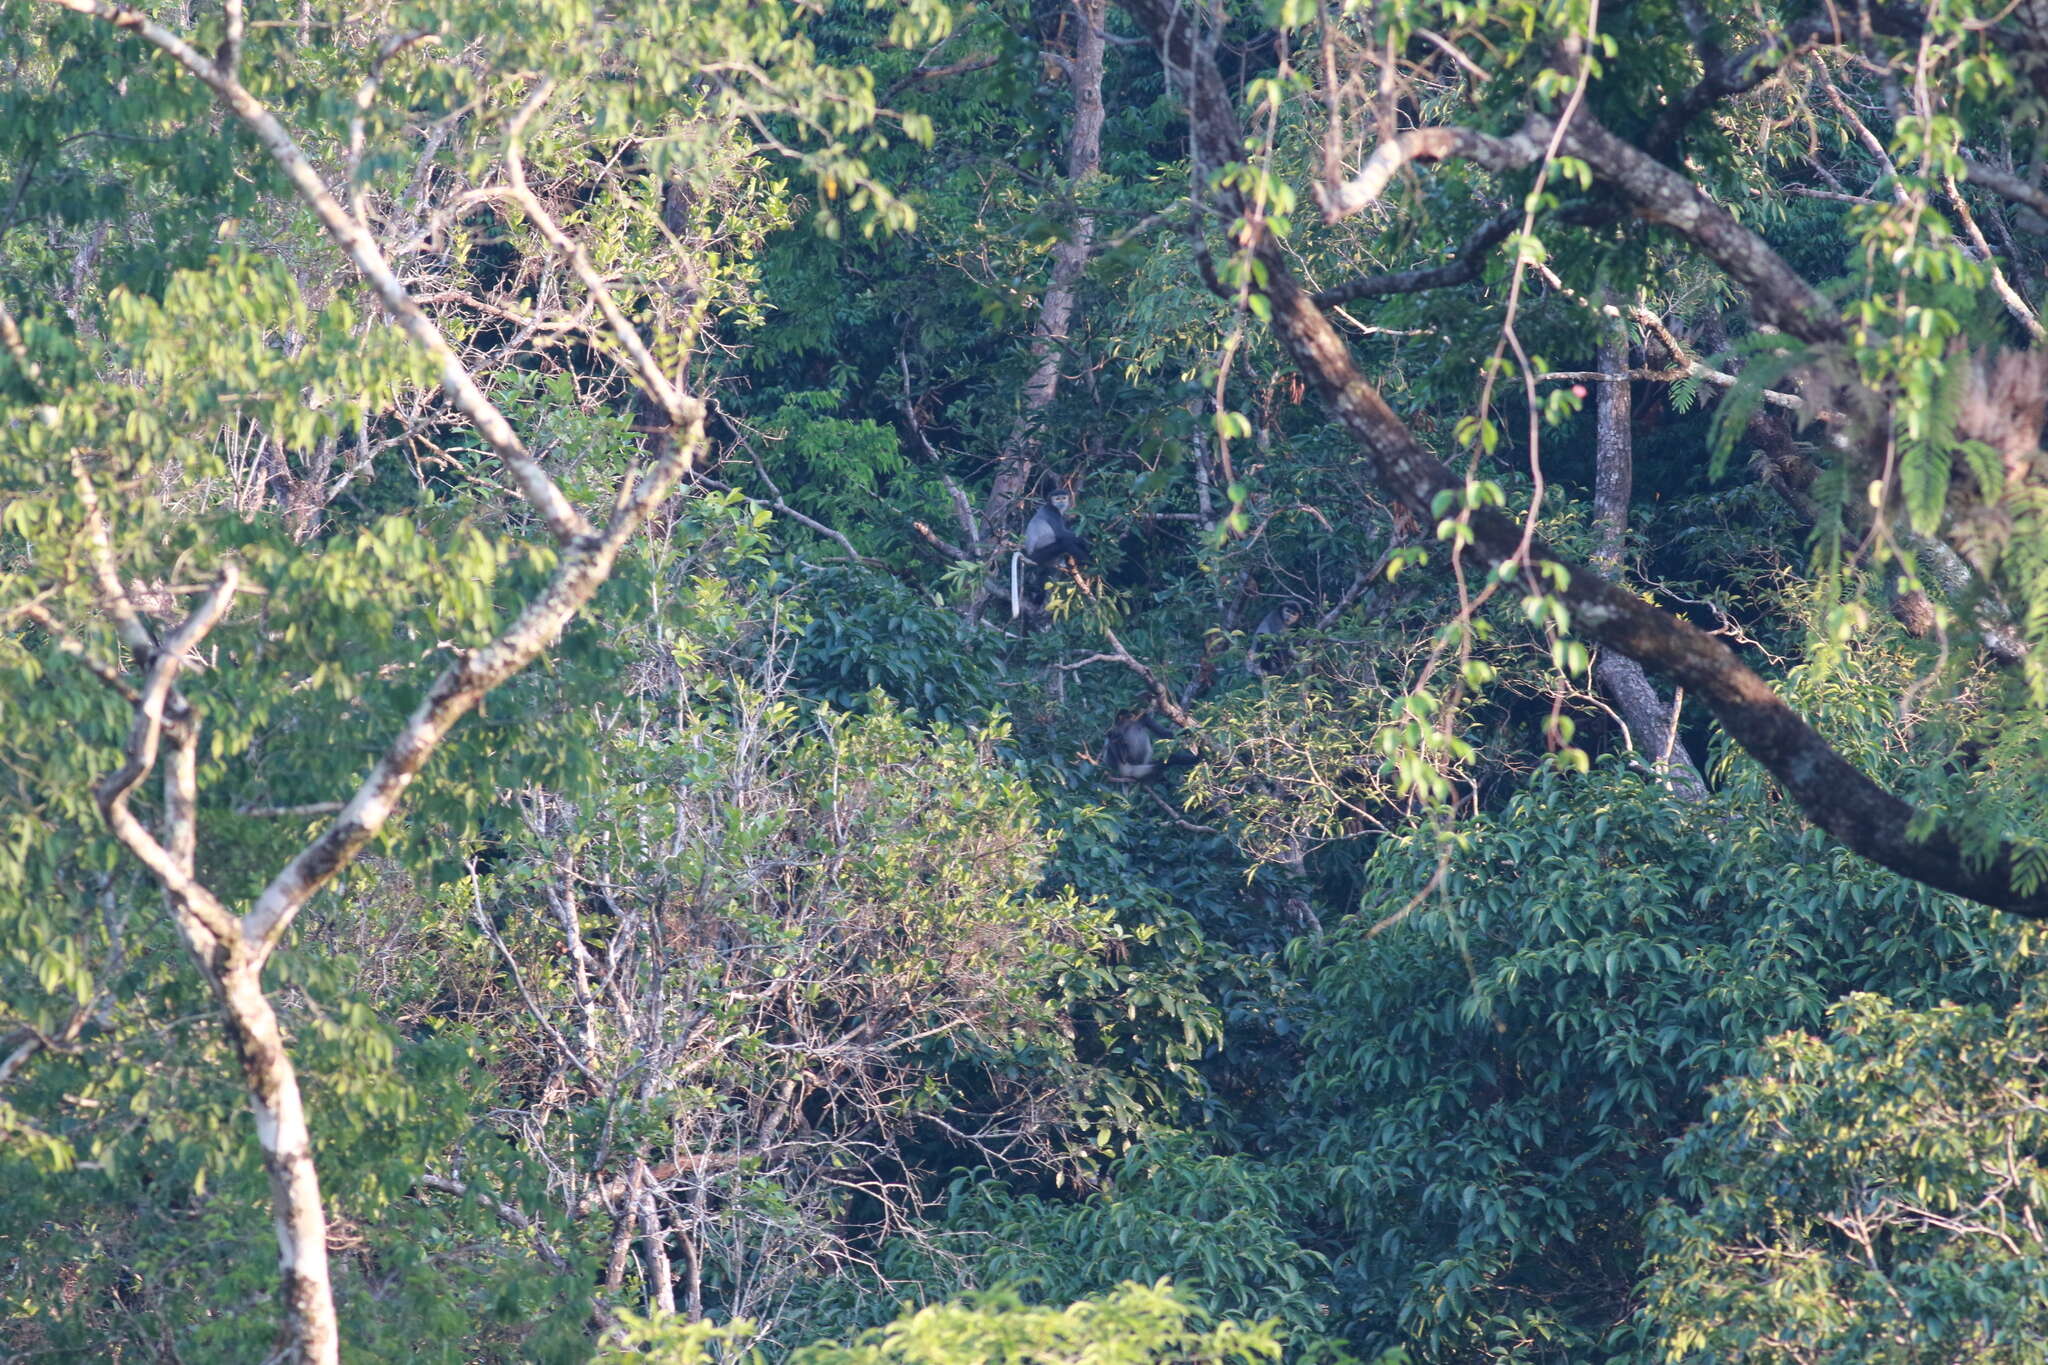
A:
x: 98, y: 543
x: 2006, y: 185
x: 458, y: 689
x: 356, y: 243
x: 173, y: 866
x: 679, y: 408
x: 1834, y: 794
x: 588, y: 555
x: 1423, y: 144
x: 1780, y: 295
x: 70, y: 644
x: 1464, y: 268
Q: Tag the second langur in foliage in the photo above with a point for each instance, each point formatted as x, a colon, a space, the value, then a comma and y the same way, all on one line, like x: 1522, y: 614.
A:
x: 1269, y: 653
x: 1127, y: 750
x: 1048, y: 540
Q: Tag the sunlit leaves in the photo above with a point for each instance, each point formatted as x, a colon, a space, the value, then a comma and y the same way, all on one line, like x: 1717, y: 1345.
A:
x: 1911, y: 1130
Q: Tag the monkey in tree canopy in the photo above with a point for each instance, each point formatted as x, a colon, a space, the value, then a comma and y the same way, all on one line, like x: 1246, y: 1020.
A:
x: 1269, y: 654
x: 1048, y: 540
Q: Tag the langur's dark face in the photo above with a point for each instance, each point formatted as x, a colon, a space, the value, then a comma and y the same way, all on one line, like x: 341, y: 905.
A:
x: 1062, y: 500
x: 1291, y: 614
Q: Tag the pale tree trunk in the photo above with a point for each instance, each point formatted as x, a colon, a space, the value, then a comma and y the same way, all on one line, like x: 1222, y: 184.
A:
x: 232, y: 949
x: 1069, y: 262
x: 1652, y: 725
x: 300, y: 1218
x: 661, y: 1284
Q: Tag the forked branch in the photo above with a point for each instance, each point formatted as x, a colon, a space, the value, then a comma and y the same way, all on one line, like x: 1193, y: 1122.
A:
x: 232, y: 951
x: 362, y: 250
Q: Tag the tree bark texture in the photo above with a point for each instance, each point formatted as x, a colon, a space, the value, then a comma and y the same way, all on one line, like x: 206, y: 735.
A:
x: 1652, y: 724
x: 1069, y: 263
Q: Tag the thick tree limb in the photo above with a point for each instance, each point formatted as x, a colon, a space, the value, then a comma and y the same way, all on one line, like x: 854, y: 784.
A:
x: 1779, y: 295
x: 1834, y: 794
x: 212, y: 935
x: 1423, y: 144
x: 1654, y: 192
x: 2006, y: 186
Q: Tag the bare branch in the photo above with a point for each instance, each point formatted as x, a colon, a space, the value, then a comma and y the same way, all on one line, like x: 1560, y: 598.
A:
x: 533, y: 482
x: 147, y: 731
x: 310, y: 808
x: 2021, y: 310
x: 98, y: 543
x: 1657, y: 194
x: 1464, y: 268
x: 1792, y: 402
x: 505, y: 1213
x: 1423, y: 144
x: 205, y: 922
x: 583, y: 568
x: 681, y: 409
x: 939, y: 543
x: 962, y: 67
x: 70, y: 644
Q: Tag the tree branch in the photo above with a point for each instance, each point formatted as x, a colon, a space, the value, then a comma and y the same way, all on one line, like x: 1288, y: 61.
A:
x: 70, y: 644
x: 1727, y: 77
x: 459, y: 687
x: 1422, y: 144
x: 2006, y: 186
x: 1652, y: 725
x: 533, y: 482
x: 1463, y: 269
x: 1837, y: 796
x: 679, y: 408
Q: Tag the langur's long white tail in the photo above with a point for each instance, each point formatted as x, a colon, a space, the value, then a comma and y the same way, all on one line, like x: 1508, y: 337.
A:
x: 1016, y: 593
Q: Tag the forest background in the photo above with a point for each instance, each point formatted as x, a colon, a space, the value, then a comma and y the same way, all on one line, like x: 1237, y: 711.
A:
x: 545, y: 814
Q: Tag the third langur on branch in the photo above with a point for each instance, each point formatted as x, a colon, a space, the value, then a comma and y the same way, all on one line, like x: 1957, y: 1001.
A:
x: 1268, y: 655
x: 1127, y: 748
x: 1047, y: 540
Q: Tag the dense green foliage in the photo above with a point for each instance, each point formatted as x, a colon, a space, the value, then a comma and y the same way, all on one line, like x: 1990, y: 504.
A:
x: 775, y: 969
